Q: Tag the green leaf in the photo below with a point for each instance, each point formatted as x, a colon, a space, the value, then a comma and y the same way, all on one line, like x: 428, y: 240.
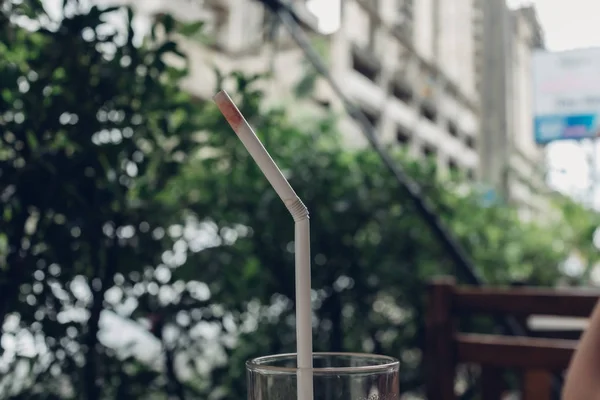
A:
x: 167, y: 47
x: 190, y: 29
x: 32, y: 141
x: 168, y: 23
x: 306, y: 86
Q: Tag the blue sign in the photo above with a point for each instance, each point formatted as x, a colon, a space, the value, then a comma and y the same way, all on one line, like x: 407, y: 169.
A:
x: 563, y: 127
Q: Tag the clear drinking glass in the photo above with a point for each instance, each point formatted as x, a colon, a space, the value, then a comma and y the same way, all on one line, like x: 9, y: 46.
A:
x: 336, y: 376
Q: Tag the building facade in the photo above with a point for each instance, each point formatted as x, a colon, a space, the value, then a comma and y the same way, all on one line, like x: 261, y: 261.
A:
x: 447, y: 79
x: 514, y: 162
x: 409, y: 65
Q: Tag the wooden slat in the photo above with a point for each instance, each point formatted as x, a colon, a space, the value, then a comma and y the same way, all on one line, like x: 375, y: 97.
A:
x: 492, y: 383
x: 570, y: 335
x: 525, y: 301
x: 439, y: 341
x: 514, y: 352
x: 537, y: 385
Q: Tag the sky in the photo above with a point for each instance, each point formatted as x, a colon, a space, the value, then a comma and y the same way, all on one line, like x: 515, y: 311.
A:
x: 568, y: 24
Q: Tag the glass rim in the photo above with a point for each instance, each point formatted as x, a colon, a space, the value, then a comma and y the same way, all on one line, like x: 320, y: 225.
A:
x: 261, y: 364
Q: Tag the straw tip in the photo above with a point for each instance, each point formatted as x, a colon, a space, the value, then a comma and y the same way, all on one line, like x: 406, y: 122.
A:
x: 228, y: 109
x: 220, y: 96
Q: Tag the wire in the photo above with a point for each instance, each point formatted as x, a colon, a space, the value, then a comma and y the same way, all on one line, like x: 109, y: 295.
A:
x: 422, y: 204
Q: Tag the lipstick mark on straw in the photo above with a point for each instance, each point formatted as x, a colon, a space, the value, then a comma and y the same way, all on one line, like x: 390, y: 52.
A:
x: 228, y: 109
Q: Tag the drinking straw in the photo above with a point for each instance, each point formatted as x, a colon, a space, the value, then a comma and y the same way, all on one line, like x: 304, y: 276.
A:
x: 301, y: 237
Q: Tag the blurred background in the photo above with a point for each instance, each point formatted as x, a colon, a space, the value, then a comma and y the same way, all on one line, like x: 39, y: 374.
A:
x: 143, y: 254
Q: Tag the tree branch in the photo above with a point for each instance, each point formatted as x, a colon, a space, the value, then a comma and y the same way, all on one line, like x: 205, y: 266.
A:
x: 15, y: 264
x: 106, y: 271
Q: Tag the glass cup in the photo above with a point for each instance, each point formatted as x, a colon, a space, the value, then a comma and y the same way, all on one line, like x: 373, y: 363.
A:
x: 336, y: 376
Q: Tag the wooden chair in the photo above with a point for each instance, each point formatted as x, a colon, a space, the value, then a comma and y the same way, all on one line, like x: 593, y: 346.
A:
x: 536, y: 358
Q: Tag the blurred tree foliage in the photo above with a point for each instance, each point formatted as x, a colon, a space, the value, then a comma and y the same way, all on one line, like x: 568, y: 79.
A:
x: 142, y: 252
x: 93, y: 126
x: 583, y: 234
x: 372, y: 255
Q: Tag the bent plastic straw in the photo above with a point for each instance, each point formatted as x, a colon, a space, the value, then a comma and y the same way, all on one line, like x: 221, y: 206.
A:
x: 302, y: 237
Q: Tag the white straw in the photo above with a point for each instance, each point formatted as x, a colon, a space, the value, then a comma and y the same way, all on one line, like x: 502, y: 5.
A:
x: 302, y: 237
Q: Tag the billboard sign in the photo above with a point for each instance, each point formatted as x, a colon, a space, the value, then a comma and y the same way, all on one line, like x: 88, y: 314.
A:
x: 566, y: 90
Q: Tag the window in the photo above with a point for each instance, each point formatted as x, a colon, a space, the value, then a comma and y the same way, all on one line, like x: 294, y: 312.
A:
x: 365, y: 65
x: 452, y: 165
x: 428, y: 111
x: 403, y: 135
x: 429, y: 151
x: 452, y: 128
x: 402, y: 91
x: 470, y: 142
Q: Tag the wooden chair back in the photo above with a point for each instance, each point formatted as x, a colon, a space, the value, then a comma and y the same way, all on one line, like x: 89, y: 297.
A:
x: 537, y: 359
